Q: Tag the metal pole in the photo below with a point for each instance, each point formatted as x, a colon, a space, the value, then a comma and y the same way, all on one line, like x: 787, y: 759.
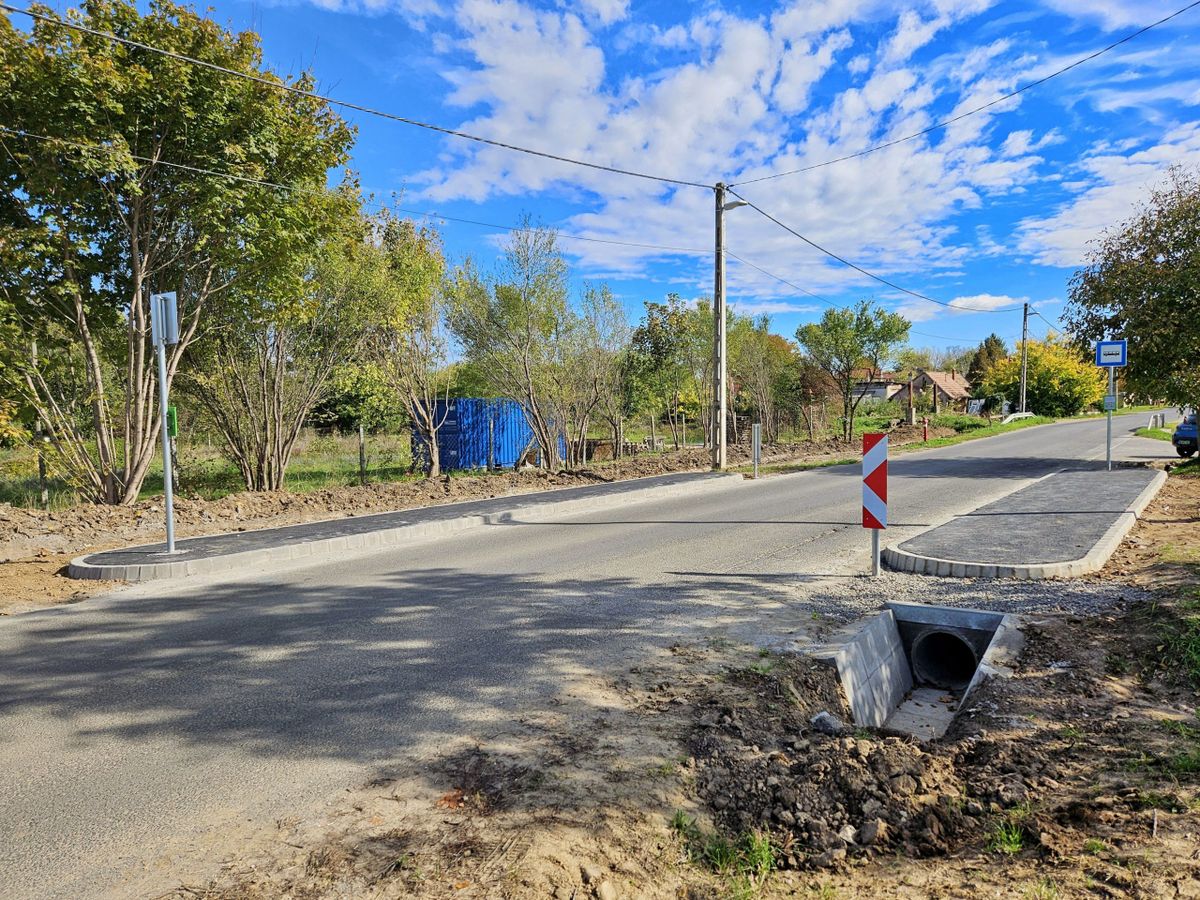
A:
x: 719, y: 391
x: 874, y: 551
x: 362, y: 455
x: 168, y: 492
x: 757, y: 446
x: 1112, y: 393
x: 1024, y: 354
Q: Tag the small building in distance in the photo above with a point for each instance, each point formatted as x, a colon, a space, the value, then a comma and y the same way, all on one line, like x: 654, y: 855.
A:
x: 951, y: 390
x: 876, y: 386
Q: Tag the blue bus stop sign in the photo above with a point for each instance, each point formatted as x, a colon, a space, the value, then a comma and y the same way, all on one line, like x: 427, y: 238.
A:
x: 1111, y: 354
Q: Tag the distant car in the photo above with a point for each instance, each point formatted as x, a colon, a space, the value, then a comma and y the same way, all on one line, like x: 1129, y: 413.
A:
x: 1185, y: 438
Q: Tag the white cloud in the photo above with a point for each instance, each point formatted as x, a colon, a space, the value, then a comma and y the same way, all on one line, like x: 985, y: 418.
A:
x: 917, y: 310
x: 606, y: 12
x: 1113, y: 14
x: 1114, y: 181
x: 772, y: 307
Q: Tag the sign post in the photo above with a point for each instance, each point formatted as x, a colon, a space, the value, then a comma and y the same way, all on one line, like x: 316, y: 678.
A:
x: 164, y: 329
x: 1111, y: 355
x: 874, y: 502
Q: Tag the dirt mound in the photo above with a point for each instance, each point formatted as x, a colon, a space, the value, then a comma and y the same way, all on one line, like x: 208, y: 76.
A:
x: 822, y: 797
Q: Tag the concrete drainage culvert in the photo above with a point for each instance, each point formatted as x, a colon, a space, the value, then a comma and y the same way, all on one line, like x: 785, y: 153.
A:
x: 909, y: 669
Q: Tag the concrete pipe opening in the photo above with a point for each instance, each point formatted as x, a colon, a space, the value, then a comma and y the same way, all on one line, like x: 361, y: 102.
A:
x: 943, y: 659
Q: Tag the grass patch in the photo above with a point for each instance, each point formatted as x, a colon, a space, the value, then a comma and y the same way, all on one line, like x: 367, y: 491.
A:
x: 988, y: 431
x: 1042, y: 889
x: 802, y: 465
x: 1189, y: 469
x: 1093, y: 847
x: 746, y: 862
x: 1007, y: 837
x: 1157, y: 434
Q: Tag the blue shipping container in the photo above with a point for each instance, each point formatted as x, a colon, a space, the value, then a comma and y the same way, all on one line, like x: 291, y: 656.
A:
x: 477, y: 432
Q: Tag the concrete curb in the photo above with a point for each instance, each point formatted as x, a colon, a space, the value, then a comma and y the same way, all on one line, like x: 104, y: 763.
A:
x: 385, y: 537
x: 1094, y: 560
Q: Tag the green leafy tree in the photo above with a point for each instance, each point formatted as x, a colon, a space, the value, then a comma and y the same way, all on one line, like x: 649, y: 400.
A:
x: 412, y: 345
x: 912, y: 360
x: 848, y: 341
x: 271, y: 351
x: 1142, y: 283
x: 93, y: 219
x: 662, y: 358
x: 1061, y: 381
x: 359, y: 393
x: 990, y: 351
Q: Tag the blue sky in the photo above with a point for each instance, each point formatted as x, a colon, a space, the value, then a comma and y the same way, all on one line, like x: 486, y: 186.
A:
x: 988, y: 213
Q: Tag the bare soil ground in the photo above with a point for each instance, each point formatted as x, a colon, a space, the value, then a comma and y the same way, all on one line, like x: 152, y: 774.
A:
x: 698, y: 774
x: 36, y: 545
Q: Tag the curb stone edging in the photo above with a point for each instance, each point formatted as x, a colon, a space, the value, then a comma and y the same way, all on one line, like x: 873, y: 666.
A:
x: 379, y: 539
x: 1094, y: 560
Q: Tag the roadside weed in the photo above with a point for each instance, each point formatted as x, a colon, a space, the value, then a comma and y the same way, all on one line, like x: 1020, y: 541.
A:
x: 1094, y: 847
x: 1042, y: 889
x: 1006, y: 837
x: 746, y: 862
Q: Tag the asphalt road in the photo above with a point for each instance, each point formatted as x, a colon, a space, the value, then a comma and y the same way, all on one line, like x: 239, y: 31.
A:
x: 142, y: 733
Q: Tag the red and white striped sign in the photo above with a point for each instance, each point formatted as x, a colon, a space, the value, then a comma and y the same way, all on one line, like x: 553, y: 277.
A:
x: 874, y: 504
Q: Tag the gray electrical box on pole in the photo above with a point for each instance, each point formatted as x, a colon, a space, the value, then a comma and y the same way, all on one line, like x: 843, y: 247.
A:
x: 164, y: 329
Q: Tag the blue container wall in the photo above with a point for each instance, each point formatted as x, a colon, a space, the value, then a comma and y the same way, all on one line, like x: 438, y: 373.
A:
x: 463, y: 437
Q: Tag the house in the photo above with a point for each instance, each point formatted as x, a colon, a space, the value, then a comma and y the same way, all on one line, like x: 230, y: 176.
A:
x: 951, y: 390
x: 875, y: 386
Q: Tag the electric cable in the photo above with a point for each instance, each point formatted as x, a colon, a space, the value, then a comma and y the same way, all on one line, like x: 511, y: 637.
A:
x: 978, y: 109
x: 345, y: 104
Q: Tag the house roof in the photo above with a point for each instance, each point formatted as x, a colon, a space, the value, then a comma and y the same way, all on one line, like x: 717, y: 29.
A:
x: 953, y: 384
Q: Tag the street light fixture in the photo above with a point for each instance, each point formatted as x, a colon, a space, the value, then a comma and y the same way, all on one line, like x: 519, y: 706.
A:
x: 720, y: 368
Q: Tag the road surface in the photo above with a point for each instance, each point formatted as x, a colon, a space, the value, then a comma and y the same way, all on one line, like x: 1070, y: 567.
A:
x: 142, y: 732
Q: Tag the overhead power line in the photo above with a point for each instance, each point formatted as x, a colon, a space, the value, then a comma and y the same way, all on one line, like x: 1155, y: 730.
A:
x: 859, y: 268
x: 425, y: 214
x: 978, y: 109
x: 346, y: 104
x: 796, y: 287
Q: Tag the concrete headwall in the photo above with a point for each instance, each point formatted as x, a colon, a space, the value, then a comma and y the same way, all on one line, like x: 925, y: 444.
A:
x: 873, y: 669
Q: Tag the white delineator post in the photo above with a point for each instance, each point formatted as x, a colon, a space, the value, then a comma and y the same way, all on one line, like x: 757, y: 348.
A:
x: 757, y: 432
x: 164, y: 329
x: 874, y: 502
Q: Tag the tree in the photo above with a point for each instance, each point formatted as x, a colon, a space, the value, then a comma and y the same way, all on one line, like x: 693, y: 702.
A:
x: 1142, y: 283
x: 849, y: 340
x: 92, y: 217
x: 1061, y: 381
x: 760, y: 361
x: 411, y: 346
x: 273, y: 348
x: 663, y: 358
x: 911, y: 360
x: 990, y: 351
x: 507, y: 322
x: 586, y: 372
x: 359, y: 393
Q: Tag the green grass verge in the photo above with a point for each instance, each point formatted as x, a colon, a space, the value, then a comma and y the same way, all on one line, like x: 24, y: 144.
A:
x: 985, y: 431
x: 1157, y: 434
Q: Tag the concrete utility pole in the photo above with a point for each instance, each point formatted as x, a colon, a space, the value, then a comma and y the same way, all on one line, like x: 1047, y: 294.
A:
x: 720, y: 394
x: 1024, y: 354
x: 720, y: 407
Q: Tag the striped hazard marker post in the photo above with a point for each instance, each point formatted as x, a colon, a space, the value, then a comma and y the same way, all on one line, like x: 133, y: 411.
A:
x: 874, y: 502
